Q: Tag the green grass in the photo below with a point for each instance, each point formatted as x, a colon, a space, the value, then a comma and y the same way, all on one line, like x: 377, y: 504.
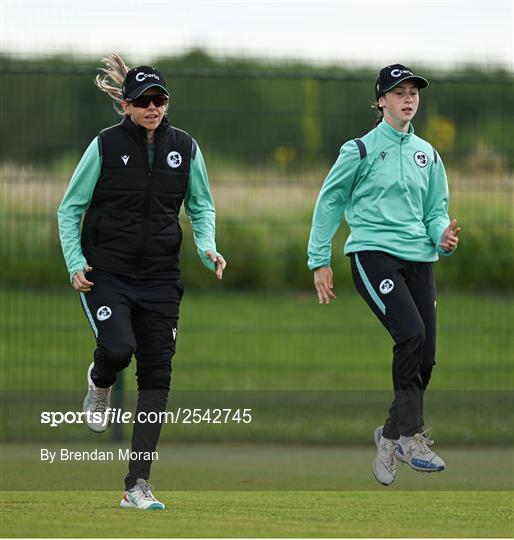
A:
x: 230, y: 490
x: 280, y: 342
x: 262, y: 514
x: 227, y: 466
x: 311, y: 373
x: 264, y: 341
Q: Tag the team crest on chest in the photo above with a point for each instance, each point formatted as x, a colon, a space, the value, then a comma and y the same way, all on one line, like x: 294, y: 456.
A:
x: 421, y: 159
x: 174, y: 159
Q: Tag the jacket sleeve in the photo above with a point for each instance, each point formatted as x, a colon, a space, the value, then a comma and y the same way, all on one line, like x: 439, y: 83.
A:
x: 436, y: 206
x: 74, y: 204
x: 330, y: 206
x: 199, y: 207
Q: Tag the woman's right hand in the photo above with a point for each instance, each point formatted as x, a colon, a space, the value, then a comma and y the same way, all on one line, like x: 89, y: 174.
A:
x: 324, y: 284
x: 219, y: 261
x: 80, y: 283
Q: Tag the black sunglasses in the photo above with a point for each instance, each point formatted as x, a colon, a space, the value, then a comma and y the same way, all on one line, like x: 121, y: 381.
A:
x: 143, y: 101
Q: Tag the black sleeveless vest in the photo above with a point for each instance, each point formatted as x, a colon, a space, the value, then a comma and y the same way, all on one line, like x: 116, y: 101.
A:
x: 131, y: 226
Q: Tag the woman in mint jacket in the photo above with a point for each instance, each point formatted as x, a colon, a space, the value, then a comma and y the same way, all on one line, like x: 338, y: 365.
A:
x: 391, y: 187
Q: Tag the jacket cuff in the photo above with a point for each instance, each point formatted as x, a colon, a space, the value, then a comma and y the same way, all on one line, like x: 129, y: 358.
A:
x: 79, y: 268
x: 443, y: 252
x: 207, y: 262
x: 317, y: 263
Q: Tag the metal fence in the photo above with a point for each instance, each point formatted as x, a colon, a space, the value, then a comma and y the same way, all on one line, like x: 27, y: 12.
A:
x: 269, y: 137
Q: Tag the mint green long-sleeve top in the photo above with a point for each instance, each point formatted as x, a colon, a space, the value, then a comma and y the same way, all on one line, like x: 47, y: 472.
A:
x: 198, y: 205
x: 395, y: 199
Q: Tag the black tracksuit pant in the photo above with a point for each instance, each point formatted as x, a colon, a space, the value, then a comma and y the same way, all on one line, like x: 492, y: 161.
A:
x: 135, y: 316
x: 402, y: 295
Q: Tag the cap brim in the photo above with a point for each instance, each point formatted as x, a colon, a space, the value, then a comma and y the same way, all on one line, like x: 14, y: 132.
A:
x: 421, y: 82
x: 145, y: 87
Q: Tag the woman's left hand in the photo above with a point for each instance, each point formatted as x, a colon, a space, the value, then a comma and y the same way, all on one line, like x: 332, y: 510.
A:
x: 219, y: 261
x: 450, y: 237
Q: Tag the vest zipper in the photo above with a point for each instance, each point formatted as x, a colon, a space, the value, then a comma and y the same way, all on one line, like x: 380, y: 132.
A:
x: 146, y: 208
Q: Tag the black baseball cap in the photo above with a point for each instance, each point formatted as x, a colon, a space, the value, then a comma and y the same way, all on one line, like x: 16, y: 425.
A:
x: 392, y: 75
x: 141, y: 78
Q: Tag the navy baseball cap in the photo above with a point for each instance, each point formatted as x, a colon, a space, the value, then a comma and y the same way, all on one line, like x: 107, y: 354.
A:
x: 141, y: 78
x: 392, y: 75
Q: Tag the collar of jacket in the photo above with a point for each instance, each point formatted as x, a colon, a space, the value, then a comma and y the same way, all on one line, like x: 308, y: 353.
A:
x: 140, y: 132
x: 386, y: 129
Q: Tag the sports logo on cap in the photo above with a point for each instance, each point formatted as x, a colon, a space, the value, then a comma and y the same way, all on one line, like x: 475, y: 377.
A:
x: 140, y: 77
x: 400, y: 72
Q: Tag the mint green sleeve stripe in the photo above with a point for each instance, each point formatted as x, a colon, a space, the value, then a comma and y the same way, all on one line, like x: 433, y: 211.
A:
x: 331, y: 204
x: 436, y: 206
x: 75, y: 203
x: 199, y: 207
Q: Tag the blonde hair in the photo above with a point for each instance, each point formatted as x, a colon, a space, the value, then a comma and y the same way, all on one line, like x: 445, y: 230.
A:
x: 111, y: 81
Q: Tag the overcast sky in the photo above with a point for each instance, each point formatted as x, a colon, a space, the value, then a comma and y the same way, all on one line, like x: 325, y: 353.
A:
x: 374, y: 33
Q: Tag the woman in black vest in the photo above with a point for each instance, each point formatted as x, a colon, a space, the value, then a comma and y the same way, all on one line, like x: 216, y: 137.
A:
x: 129, y: 186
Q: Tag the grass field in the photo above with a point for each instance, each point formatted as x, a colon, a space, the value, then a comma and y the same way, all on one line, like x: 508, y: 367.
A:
x: 227, y: 466
x: 277, y: 343
x: 414, y: 514
x: 247, y: 491
x: 315, y: 373
x: 264, y: 341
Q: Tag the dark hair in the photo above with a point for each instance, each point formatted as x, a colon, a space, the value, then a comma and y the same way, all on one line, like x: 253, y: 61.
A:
x: 380, y: 113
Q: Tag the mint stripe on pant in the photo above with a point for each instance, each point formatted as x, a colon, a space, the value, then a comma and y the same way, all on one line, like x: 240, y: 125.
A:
x: 402, y: 295
x: 135, y: 317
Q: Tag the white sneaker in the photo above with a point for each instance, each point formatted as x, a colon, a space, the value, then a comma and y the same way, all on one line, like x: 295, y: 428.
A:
x: 96, y: 401
x: 399, y: 454
x: 384, y: 466
x: 140, y: 496
x: 415, y: 452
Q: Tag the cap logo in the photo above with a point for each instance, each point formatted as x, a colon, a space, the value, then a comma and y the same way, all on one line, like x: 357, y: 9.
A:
x: 141, y: 76
x: 400, y: 72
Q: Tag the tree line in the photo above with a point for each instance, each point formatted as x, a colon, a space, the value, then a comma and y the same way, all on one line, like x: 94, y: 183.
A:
x: 252, y: 112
